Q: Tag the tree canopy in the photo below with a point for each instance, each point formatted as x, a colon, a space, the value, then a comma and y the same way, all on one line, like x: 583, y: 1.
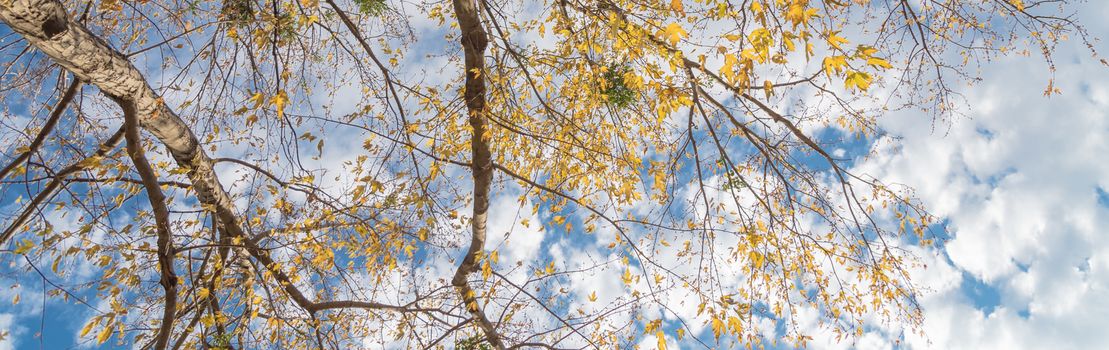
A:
x: 489, y: 174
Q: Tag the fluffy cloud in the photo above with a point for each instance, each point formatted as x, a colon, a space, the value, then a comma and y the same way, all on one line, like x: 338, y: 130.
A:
x: 1021, y: 181
x: 9, y: 331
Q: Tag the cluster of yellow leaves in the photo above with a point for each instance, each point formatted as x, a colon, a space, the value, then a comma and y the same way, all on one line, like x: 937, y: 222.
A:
x: 555, y: 124
x: 853, y: 79
x: 258, y: 100
x: 107, y: 321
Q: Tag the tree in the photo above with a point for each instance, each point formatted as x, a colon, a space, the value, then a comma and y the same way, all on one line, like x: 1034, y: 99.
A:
x: 685, y: 147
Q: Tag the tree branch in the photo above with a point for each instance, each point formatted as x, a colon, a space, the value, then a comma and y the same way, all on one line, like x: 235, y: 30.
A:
x: 474, y: 41
x: 161, y: 220
x: 51, y: 122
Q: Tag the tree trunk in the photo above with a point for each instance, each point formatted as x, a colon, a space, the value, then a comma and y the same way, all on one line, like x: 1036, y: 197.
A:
x: 474, y: 41
x: 46, y: 26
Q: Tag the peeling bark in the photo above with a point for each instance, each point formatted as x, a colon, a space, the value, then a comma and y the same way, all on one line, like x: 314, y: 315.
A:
x: 46, y: 26
x: 474, y: 41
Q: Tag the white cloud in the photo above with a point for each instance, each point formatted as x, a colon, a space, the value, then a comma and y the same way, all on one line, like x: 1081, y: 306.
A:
x: 1017, y: 181
x: 9, y: 330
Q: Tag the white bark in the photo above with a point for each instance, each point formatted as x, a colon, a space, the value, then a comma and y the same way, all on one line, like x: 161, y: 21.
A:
x: 46, y: 26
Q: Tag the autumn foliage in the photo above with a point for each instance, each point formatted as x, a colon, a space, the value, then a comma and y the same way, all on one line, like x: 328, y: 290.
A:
x: 305, y: 174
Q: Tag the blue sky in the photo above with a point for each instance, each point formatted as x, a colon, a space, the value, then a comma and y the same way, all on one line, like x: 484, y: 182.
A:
x: 1020, y: 182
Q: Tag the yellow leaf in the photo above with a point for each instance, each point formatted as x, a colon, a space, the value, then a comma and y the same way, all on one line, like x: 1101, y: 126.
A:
x: 257, y: 99
x: 593, y: 296
x: 676, y: 6
x: 797, y: 14
x: 761, y: 39
x: 104, y: 335
x: 717, y: 327
x: 486, y: 270
x: 24, y: 246
x: 87, y: 328
x: 756, y: 258
x: 735, y: 324
x: 728, y: 69
x: 674, y: 33
x: 864, y: 51
x: 202, y: 293
x: 661, y: 340
x: 858, y: 80
x: 15, y: 300
x: 834, y: 40
x: 878, y: 63
x: 756, y: 7
x: 279, y: 101
x: 834, y: 64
